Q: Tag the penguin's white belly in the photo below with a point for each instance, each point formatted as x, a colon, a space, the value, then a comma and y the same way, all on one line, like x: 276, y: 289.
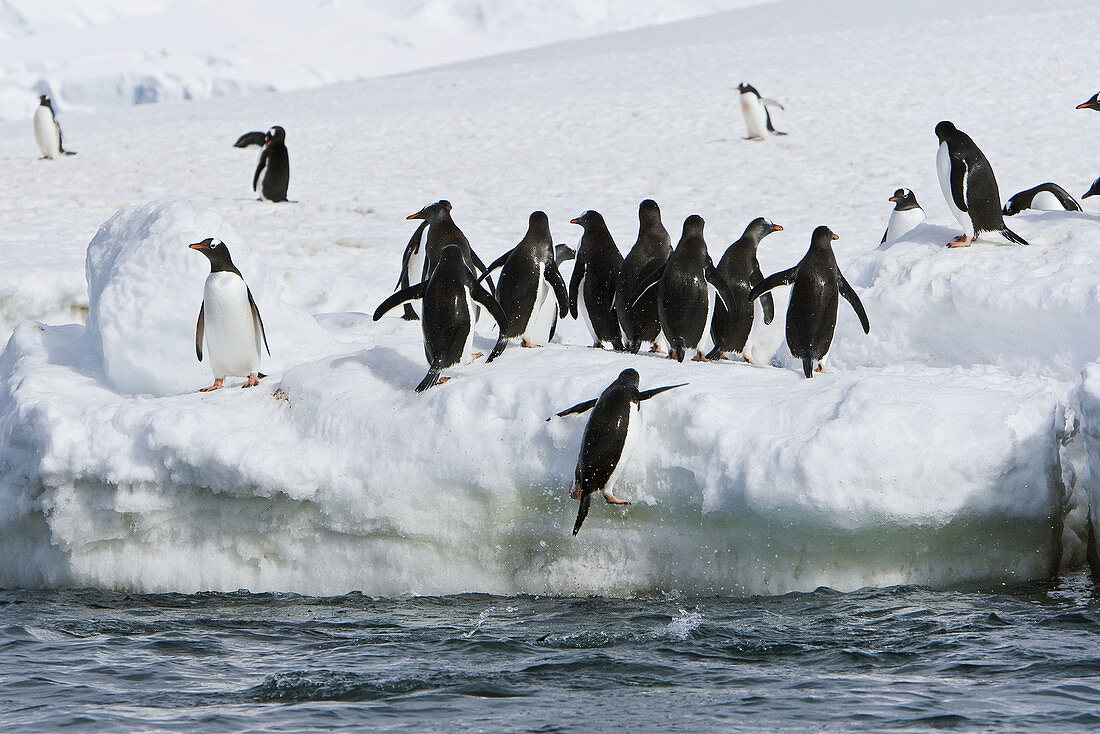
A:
x: 1046, y: 201
x: 537, y: 330
x: 755, y: 117
x: 468, y: 349
x: 943, y: 168
x: 901, y: 222
x: 45, y: 133
x: 584, y: 310
x: 415, y: 272
x: 232, y: 335
x: 633, y: 431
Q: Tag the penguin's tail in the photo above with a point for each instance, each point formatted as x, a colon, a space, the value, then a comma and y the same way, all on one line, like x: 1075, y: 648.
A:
x: 410, y: 315
x: 502, y: 342
x: 677, y: 348
x: 633, y: 345
x: 1011, y: 236
x: 808, y: 366
x: 617, y: 344
x: 586, y: 500
x: 432, y: 378
x: 714, y: 354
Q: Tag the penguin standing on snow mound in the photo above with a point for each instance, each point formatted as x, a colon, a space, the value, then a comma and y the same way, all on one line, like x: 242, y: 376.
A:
x: 683, y: 298
x: 228, y: 320
x: 447, y: 312
x: 274, y: 166
x: 250, y: 139
x: 529, y: 273
x: 47, y: 133
x: 595, y: 276
x: 758, y: 121
x: 608, y: 438
x: 1092, y: 103
x: 641, y: 323
x: 812, y: 310
x: 441, y: 232
x: 1046, y: 197
x: 969, y: 187
x: 739, y: 267
x: 907, y: 214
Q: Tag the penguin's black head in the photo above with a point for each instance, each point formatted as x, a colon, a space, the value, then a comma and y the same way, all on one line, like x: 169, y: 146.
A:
x: 276, y: 135
x: 450, y: 257
x: 746, y: 88
x: 904, y: 199
x: 217, y: 253
x: 43, y: 100
x: 1093, y: 103
x: 649, y: 211
x: 693, y: 225
x: 538, y: 220
x: 587, y: 219
x: 431, y: 211
x: 945, y: 129
x: 823, y: 237
x: 761, y: 227
x: 628, y: 378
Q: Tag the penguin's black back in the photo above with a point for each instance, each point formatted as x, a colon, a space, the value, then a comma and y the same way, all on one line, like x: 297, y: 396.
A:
x: 605, y: 436
x: 520, y: 276
x: 683, y: 296
x: 446, y: 318
x: 815, y: 296
x: 641, y: 322
x: 276, y: 178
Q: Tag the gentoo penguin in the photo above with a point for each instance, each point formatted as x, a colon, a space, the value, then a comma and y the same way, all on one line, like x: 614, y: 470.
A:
x: 969, y: 187
x: 249, y: 139
x: 739, y: 267
x: 447, y: 312
x: 441, y: 232
x: 906, y: 215
x: 683, y: 299
x: 758, y: 121
x: 1047, y: 196
x: 641, y: 323
x: 529, y: 272
x: 608, y: 437
x: 47, y: 133
x: 228, y: 319
x: 274, y: 165
x: 595, y: 275
x: 1092, y: 103
x: 1093, y: 190
x: 812, y: 311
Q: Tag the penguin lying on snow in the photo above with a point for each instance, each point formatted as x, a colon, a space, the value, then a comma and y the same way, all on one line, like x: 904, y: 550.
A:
x: 1092, y: 103
x: 447, y: 312
x: 1046, y: 196
x: 812, y: 310
x: 228, y: 320
x: 274, y: 165
x: 595, y: 275
x: 758, y: 121
x: 740, y: 268
x: 640, y: 322
x: 608, y: 437
x: 906, y: 215
x: 47, y: 133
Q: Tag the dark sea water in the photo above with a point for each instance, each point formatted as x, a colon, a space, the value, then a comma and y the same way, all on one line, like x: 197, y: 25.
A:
x: 905, y: 658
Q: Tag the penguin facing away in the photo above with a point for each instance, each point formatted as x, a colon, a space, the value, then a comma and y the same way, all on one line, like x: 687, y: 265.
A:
x: 447, y: 312
x: 740, y: 268
x: 595, y: 276
x: 758, y: 120
x: 1047, y: 196
x: 609, y: 436
x: 47, y: 132
x: 640, y: 322
x: 1092, y: 103
x: 229, y: 321
x: 906, y: 215
x: 274, y: 166
x: 969, y: 187
x: 529, y: 273
x: 442, y: 232
x: 812, y: 310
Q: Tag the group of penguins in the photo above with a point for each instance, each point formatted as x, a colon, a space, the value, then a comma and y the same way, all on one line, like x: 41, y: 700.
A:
x: 656, y: 292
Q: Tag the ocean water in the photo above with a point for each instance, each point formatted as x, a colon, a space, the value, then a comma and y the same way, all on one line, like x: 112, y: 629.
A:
x: 903, y: 658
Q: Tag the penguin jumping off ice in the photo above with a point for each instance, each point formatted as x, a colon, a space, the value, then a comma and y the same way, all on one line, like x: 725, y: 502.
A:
x: 274, y: 166
x: 1047, y: 196
x: 447, y: 312
x: 740, y: 268
x: 969, y: 187
x: 611, y: 431
x: 229, y: 321
x: 47, y: 133
x: 1092, y: 103
x: 595, y: 275
x: 758, y: 121
x: 906, y: 215
x: 812, y: 311
x: 640, y: 322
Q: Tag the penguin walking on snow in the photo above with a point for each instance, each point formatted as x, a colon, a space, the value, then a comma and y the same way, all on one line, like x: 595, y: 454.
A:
x: 529, y: 274
x: 812, y: 310
x: 1092, y: 103
x: 758, y: 120
x: 229, y: 321
x: 640, y: 322
x: 609, y: 436
x: 1047, y: 196
x: 447, y: 312
x: 969, y: 187
x: 595, y: 275
x: 274, y: 166
x: 906, y: 215
x: 47, y: 133
x: 740, y: 268
x: 683, y: 298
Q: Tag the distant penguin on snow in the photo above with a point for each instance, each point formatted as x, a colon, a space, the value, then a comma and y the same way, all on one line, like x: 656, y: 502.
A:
x: 812, y: 310
x: 47, y: 133
x: 740, y: 268
x: 595, y: 275
x: 609, y: 436
x: 640, y: 322
x: 1047, y: 196
x: 758, y: 120
x: 969, y: 187
x: 229, y: 321
x: 906, y: 215
x: 274, y: 166
x: 1092, y: 103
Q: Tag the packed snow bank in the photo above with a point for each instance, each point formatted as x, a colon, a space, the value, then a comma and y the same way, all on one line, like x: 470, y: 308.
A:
x: 333, y: 475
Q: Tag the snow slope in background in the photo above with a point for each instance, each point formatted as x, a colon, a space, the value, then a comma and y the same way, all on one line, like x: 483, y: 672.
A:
x: 90, y: 55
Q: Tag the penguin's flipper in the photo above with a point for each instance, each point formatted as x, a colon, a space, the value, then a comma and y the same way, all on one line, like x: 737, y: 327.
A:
x: 647, y: 394
x: 480, y: 267
x: 783, y: 277
x: 887, y: 230
x: 720, y: 285
x: 582, y: 512
x: 575, y: 286
x: 644, y: 284
x: 482, y: 296
x: 768, y: 122
x: 502, y: 342
x: 578, y: 408
x: 200, y: 329
x: 770, y: 101
x: 257, y: 321
x: 553, y: 277
x: 260, y: 165
x: 406, y: 294
x: 808, y: 366
x: 766, y: 301
x: 1064, y: 197
x: 496, y: 264
x: 857, y: 305
x: 432, y: 378
x: 958, y: 183
x: 252, y: 138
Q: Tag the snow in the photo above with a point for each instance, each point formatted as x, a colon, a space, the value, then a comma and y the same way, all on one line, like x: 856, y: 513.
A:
x: 953, y: 445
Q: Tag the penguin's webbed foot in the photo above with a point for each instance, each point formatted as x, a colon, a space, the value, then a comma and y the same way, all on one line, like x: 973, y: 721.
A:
x: 750, y: 360
x: 699, y: 357
x: 528, y: 345
x: 656, y: 349
x: 574, y: 491
x: 960, y: 241
x: 476, y: 355
x: 598, y: 345
x: 252, y: 381
x: 218, y: 385
x: 820, y: 369
x: 613, y: 500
